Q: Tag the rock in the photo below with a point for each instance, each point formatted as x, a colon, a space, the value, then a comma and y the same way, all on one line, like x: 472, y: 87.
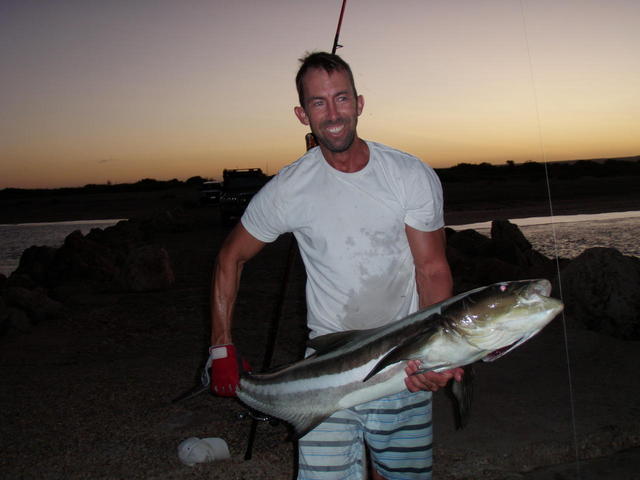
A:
x: 491, y: 270
x: 35, y: 261
x: 601, y: 290
x: 19, y: 279
x: 35, y: 303
x: 117, y: 258
x: 19, y: 320
x: 86, y: 260
x: 477, y: 260
x: 4, y: 316
x: 505, y: 231
x: 124, y: 235
x: 470, y: 242
x: 147, y: 268
x: 511, y: 245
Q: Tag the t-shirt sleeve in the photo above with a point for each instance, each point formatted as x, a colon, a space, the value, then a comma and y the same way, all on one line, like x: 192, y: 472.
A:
x: 424, y: 204
x: 264, y: 216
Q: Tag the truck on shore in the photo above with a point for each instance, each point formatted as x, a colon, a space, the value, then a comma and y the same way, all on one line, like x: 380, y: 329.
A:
x: 238, y: 188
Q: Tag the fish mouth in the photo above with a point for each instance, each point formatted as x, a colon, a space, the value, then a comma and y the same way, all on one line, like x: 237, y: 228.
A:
x: 496, y: 354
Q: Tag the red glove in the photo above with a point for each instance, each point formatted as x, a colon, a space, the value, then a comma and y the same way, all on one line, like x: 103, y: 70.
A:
x: 225, y: 370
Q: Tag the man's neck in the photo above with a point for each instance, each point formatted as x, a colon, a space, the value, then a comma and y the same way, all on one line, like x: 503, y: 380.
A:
x: 354, y: 159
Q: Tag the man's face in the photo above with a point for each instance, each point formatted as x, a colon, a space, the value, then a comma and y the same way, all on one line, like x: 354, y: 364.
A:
x: 331, y: 108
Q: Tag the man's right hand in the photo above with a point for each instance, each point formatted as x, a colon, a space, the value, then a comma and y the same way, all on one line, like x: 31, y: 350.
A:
x: 225, y: 370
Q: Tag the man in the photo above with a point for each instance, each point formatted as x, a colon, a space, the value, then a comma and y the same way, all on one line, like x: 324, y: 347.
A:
x: 369, y: 224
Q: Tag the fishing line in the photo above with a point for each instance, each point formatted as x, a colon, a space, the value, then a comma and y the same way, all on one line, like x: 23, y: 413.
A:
x: 553, y: 231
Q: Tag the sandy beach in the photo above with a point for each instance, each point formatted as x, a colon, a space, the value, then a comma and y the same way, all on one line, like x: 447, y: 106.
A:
x: 89, y: 395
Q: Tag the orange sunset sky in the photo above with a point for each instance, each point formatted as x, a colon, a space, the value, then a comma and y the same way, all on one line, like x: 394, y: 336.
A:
x: 114, y: 91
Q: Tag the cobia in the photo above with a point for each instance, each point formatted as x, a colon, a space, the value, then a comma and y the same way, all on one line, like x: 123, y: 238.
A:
x: 350, y: 368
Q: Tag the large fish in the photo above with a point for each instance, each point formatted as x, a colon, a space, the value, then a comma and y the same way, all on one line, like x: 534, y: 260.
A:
x: 350, y: 368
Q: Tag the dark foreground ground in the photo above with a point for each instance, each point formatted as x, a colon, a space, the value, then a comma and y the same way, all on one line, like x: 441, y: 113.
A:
x: 89, y: 396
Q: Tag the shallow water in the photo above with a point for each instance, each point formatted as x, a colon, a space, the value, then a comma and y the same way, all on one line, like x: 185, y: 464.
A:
x: 15, y: 239
x: 569, y: 235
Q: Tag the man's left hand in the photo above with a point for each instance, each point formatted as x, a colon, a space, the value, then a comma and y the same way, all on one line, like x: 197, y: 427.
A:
x: 431, y: 381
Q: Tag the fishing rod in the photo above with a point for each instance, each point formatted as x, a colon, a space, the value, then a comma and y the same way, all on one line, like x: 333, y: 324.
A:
x: 335, y: 39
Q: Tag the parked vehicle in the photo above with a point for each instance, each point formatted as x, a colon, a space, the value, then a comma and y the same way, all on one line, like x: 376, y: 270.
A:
x: 210, y: 192
x: 238, y: 187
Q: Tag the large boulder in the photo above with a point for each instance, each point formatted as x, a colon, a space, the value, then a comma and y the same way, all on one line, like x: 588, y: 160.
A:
x: 470, y: 242
x: 114, y: 259
x: 36, y: 303
x: 477, y: 260
x: 124, y: 235
x: 35, y: 261
x: 147, y: 268
x: 512, y: 246
x: 601, y: 290
x: 85, y: 260
x: 491, y: 270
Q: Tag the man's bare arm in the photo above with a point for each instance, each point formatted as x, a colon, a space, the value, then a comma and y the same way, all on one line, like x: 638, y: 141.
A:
x: 433, y: 275
x: 434, y: 283
x: 237, y: 249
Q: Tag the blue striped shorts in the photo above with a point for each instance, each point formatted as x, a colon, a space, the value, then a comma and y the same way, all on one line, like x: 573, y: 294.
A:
x: 396, y: 430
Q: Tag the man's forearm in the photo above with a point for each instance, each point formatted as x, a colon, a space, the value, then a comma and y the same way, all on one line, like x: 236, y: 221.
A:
x: 224, y: 290
x: 236, y: 250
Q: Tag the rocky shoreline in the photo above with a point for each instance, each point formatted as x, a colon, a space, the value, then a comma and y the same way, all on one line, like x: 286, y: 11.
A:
x: 87, y: 391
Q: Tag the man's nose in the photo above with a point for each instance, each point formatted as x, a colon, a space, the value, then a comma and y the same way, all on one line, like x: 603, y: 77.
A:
x: 332, y: 111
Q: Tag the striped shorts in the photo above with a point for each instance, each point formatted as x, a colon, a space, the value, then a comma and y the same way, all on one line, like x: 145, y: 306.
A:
x: 396, y: 431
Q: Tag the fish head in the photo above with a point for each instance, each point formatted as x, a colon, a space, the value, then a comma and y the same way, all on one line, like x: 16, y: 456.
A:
x: 498, y: 318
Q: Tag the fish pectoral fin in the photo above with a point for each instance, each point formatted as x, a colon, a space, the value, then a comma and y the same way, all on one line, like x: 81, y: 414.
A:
x: 461, y: 394
x: 408, y: 349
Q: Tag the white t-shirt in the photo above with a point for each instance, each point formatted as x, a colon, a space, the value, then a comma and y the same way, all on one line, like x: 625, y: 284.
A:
x: 350, y: 229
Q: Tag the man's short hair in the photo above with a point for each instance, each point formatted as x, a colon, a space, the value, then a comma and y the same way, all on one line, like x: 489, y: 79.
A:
x: 329, y: 62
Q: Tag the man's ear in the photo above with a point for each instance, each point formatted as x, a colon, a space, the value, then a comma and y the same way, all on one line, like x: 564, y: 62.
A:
x: 360, y: 104
x: 301, y: 114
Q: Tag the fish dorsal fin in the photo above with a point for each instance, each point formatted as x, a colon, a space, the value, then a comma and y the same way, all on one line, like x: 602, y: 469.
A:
x: 333, y: 341
x: 410, y: 348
